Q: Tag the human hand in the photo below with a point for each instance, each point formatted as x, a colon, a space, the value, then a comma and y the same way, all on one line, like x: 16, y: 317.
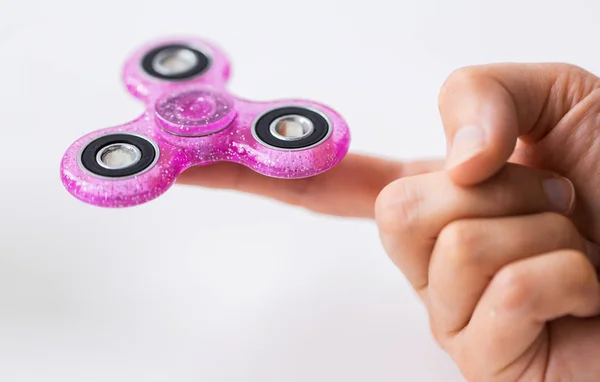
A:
x: 509, y: 292
x: 553, y: 110
x: 550, y: 112
x: 509, y: 283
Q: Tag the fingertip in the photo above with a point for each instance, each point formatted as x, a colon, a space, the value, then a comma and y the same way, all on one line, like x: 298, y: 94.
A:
x: 481, y: 124
x: 476, y: 156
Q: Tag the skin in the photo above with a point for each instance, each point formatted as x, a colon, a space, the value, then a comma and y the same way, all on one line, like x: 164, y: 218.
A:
x: 498, y: 244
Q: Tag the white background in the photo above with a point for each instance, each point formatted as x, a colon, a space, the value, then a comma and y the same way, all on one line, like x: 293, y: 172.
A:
x: 205, y: 285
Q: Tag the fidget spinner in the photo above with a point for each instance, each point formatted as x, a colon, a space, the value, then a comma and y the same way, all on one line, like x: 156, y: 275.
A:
x: 190, y: 119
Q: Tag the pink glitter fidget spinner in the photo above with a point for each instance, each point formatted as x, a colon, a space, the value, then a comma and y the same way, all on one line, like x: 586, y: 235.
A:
x: 191, y: 119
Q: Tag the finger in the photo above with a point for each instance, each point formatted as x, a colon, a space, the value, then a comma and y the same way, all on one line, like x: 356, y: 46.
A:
x: 349, y: 189
x: 468, y: 253
x: 411, y: 212
x: 485, y: 108
x: 521, y: 298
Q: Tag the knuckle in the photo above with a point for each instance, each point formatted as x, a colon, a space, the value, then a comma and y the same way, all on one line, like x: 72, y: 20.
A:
x: 574, y: 82
x: 459, y: 243
x: 440, y: 335
x: 458, y: 78
x: 398, y: 206
x: 469, y: 359
x: 582, y: 272
x: 515, y: 288
x: 436, y: 332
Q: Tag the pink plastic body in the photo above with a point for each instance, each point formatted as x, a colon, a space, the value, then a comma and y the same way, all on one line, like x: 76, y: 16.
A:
x: 197, y: 122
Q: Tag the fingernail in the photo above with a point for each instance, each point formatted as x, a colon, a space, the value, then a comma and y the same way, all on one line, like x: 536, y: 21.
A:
x: 593, y: 253
x: 560, y: 192
x: 469, y: 141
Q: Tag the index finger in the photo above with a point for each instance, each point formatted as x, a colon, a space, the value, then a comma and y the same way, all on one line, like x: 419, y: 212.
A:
x: 348, y: 190
x: 485, y: 109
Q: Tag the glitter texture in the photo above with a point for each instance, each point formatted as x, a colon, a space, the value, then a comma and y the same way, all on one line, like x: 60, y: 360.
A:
x: 197, y: 122
x: 195, y: 112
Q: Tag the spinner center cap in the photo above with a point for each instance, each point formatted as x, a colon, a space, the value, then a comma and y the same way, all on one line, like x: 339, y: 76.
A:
x: 195, y: 112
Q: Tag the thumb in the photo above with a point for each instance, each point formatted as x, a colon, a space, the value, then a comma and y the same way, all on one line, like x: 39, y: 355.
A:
x: 485, y: 109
